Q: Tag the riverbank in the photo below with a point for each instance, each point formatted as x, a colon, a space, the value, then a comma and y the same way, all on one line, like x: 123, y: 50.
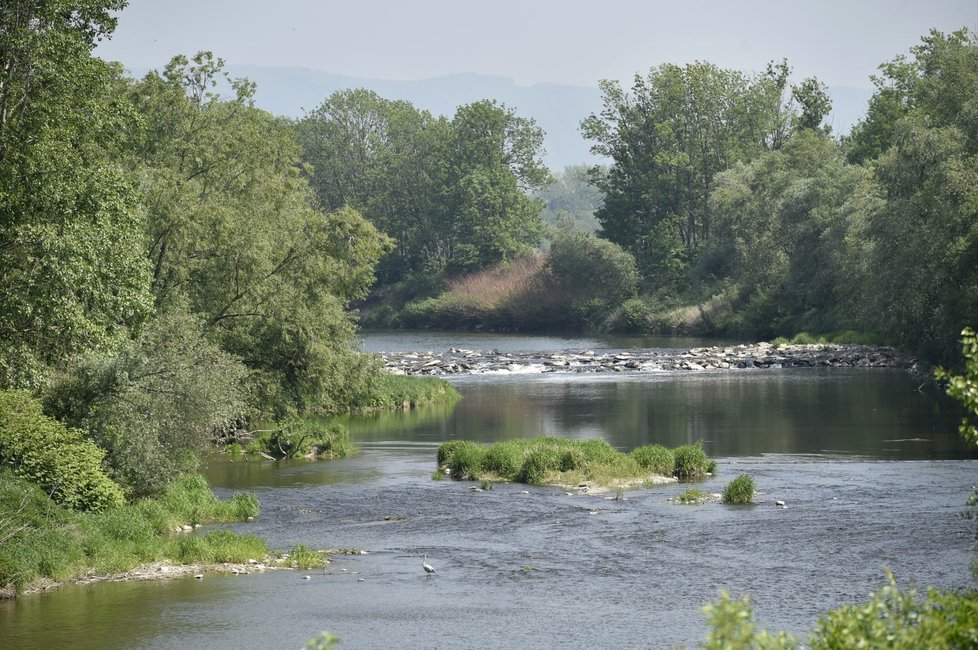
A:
x: 755, y: 356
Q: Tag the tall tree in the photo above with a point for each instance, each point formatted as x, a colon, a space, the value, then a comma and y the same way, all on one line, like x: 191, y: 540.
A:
x: 453, y: 193
x: 233, y: 230
x: 72, y: 273
x: 923, y: 231
x: 669, y: 137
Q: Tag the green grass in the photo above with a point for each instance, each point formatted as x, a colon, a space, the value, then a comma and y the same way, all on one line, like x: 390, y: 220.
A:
x: 740, y: 490
x: 40, y: 539
x: 691, y: 462
x: 691, y: 496
x: 549, y: 460
x: 400, y: 391
x: 302, y: 557
x: 845, y: 337
x: 303, y: 437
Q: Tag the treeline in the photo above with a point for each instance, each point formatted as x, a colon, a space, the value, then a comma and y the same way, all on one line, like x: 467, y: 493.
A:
x: 731, y: 193
x: 742, y: 213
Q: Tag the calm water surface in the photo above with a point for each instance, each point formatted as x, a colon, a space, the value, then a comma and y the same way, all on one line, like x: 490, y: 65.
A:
x: 872, y: 470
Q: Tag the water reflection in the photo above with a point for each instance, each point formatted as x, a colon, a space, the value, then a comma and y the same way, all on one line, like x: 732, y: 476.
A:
x: 874, y: 413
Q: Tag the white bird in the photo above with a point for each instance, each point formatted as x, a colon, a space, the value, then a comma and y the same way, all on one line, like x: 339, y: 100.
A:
x: 427, y: 567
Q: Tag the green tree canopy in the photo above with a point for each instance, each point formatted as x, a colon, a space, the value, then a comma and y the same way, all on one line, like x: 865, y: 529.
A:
x: 72, y: 272
x: 234, y: 230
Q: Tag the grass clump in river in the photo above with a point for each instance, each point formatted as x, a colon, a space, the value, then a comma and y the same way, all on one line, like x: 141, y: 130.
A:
x: 400, y: 391
x: 303, y: 437
x: 740, y: 490
x: 691, y: 496
x: 41, y: 540
x: 549, y: 460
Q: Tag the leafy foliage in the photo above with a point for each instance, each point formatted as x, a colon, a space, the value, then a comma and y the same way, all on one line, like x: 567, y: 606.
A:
x: 234, y: 232
x: 71, y: 266
x: 59, y: 459
x: 964, y: 388
x: 154, y: 402
x: 453, y: 193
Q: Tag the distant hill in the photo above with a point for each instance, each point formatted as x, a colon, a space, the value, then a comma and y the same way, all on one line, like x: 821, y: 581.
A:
x: 558, y: 109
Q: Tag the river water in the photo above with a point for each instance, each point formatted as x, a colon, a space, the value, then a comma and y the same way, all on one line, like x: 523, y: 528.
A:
x: 872, y: 471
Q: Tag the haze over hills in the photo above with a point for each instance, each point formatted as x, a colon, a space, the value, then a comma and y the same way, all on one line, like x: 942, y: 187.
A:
x: 557, y: 108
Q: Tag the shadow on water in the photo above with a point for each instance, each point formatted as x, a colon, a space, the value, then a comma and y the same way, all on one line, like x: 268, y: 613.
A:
x: 872, y: 470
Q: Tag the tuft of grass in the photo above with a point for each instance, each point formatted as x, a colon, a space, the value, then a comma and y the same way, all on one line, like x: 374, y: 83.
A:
x: 740, y: 490
x: 551, y: 460
x: 303, y: 557
x: 691, y: 496
x: 691, y: 462
x: 655, y: 458
x: 215, y: 547
x: 403, y: 392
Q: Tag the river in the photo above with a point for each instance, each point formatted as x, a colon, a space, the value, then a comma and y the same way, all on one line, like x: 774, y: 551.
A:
x: 871, y: 469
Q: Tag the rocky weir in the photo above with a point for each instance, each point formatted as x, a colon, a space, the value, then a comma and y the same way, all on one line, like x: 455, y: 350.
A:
x: 755, y: 356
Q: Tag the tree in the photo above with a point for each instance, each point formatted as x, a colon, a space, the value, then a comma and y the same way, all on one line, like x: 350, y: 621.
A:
x: 923, y: 229
x: 572, y: 195
x: 813, y: 98
x: 669, y: 137
x: 234, y: 231
x: 72, y: 273
x: 784, y: 225
x: 154, y: 402
x: 453, y: 193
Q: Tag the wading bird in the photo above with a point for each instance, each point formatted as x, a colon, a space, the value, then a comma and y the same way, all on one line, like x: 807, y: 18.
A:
x: 427, y: 567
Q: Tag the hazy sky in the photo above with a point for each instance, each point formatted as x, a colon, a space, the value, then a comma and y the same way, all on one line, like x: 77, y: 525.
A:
x: 563, y: 41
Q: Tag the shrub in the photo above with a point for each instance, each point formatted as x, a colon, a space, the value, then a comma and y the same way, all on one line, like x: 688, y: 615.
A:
x: 59, y: 459
x: 297, y: 437
x: 655, y: 458
x: 691, y: 461
x: 152, y: 403
x: 632, y: 317
x: 739, y: 490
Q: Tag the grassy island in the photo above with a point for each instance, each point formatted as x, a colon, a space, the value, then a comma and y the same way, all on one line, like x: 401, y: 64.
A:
x: 549, y: 460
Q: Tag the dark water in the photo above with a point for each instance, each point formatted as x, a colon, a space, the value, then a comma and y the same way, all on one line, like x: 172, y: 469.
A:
x: 871, y: 469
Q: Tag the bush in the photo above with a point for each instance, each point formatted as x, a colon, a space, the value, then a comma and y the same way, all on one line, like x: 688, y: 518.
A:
x: 632, y: 317
x: 154, y: 402
x: 892, y: 618
x: 740, y: 490
x: 655, y: 458
x: 690, y: 462
x: 66, y: 465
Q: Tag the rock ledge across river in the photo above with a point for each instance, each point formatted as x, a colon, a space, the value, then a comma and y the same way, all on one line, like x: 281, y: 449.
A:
x: 737, y: 357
